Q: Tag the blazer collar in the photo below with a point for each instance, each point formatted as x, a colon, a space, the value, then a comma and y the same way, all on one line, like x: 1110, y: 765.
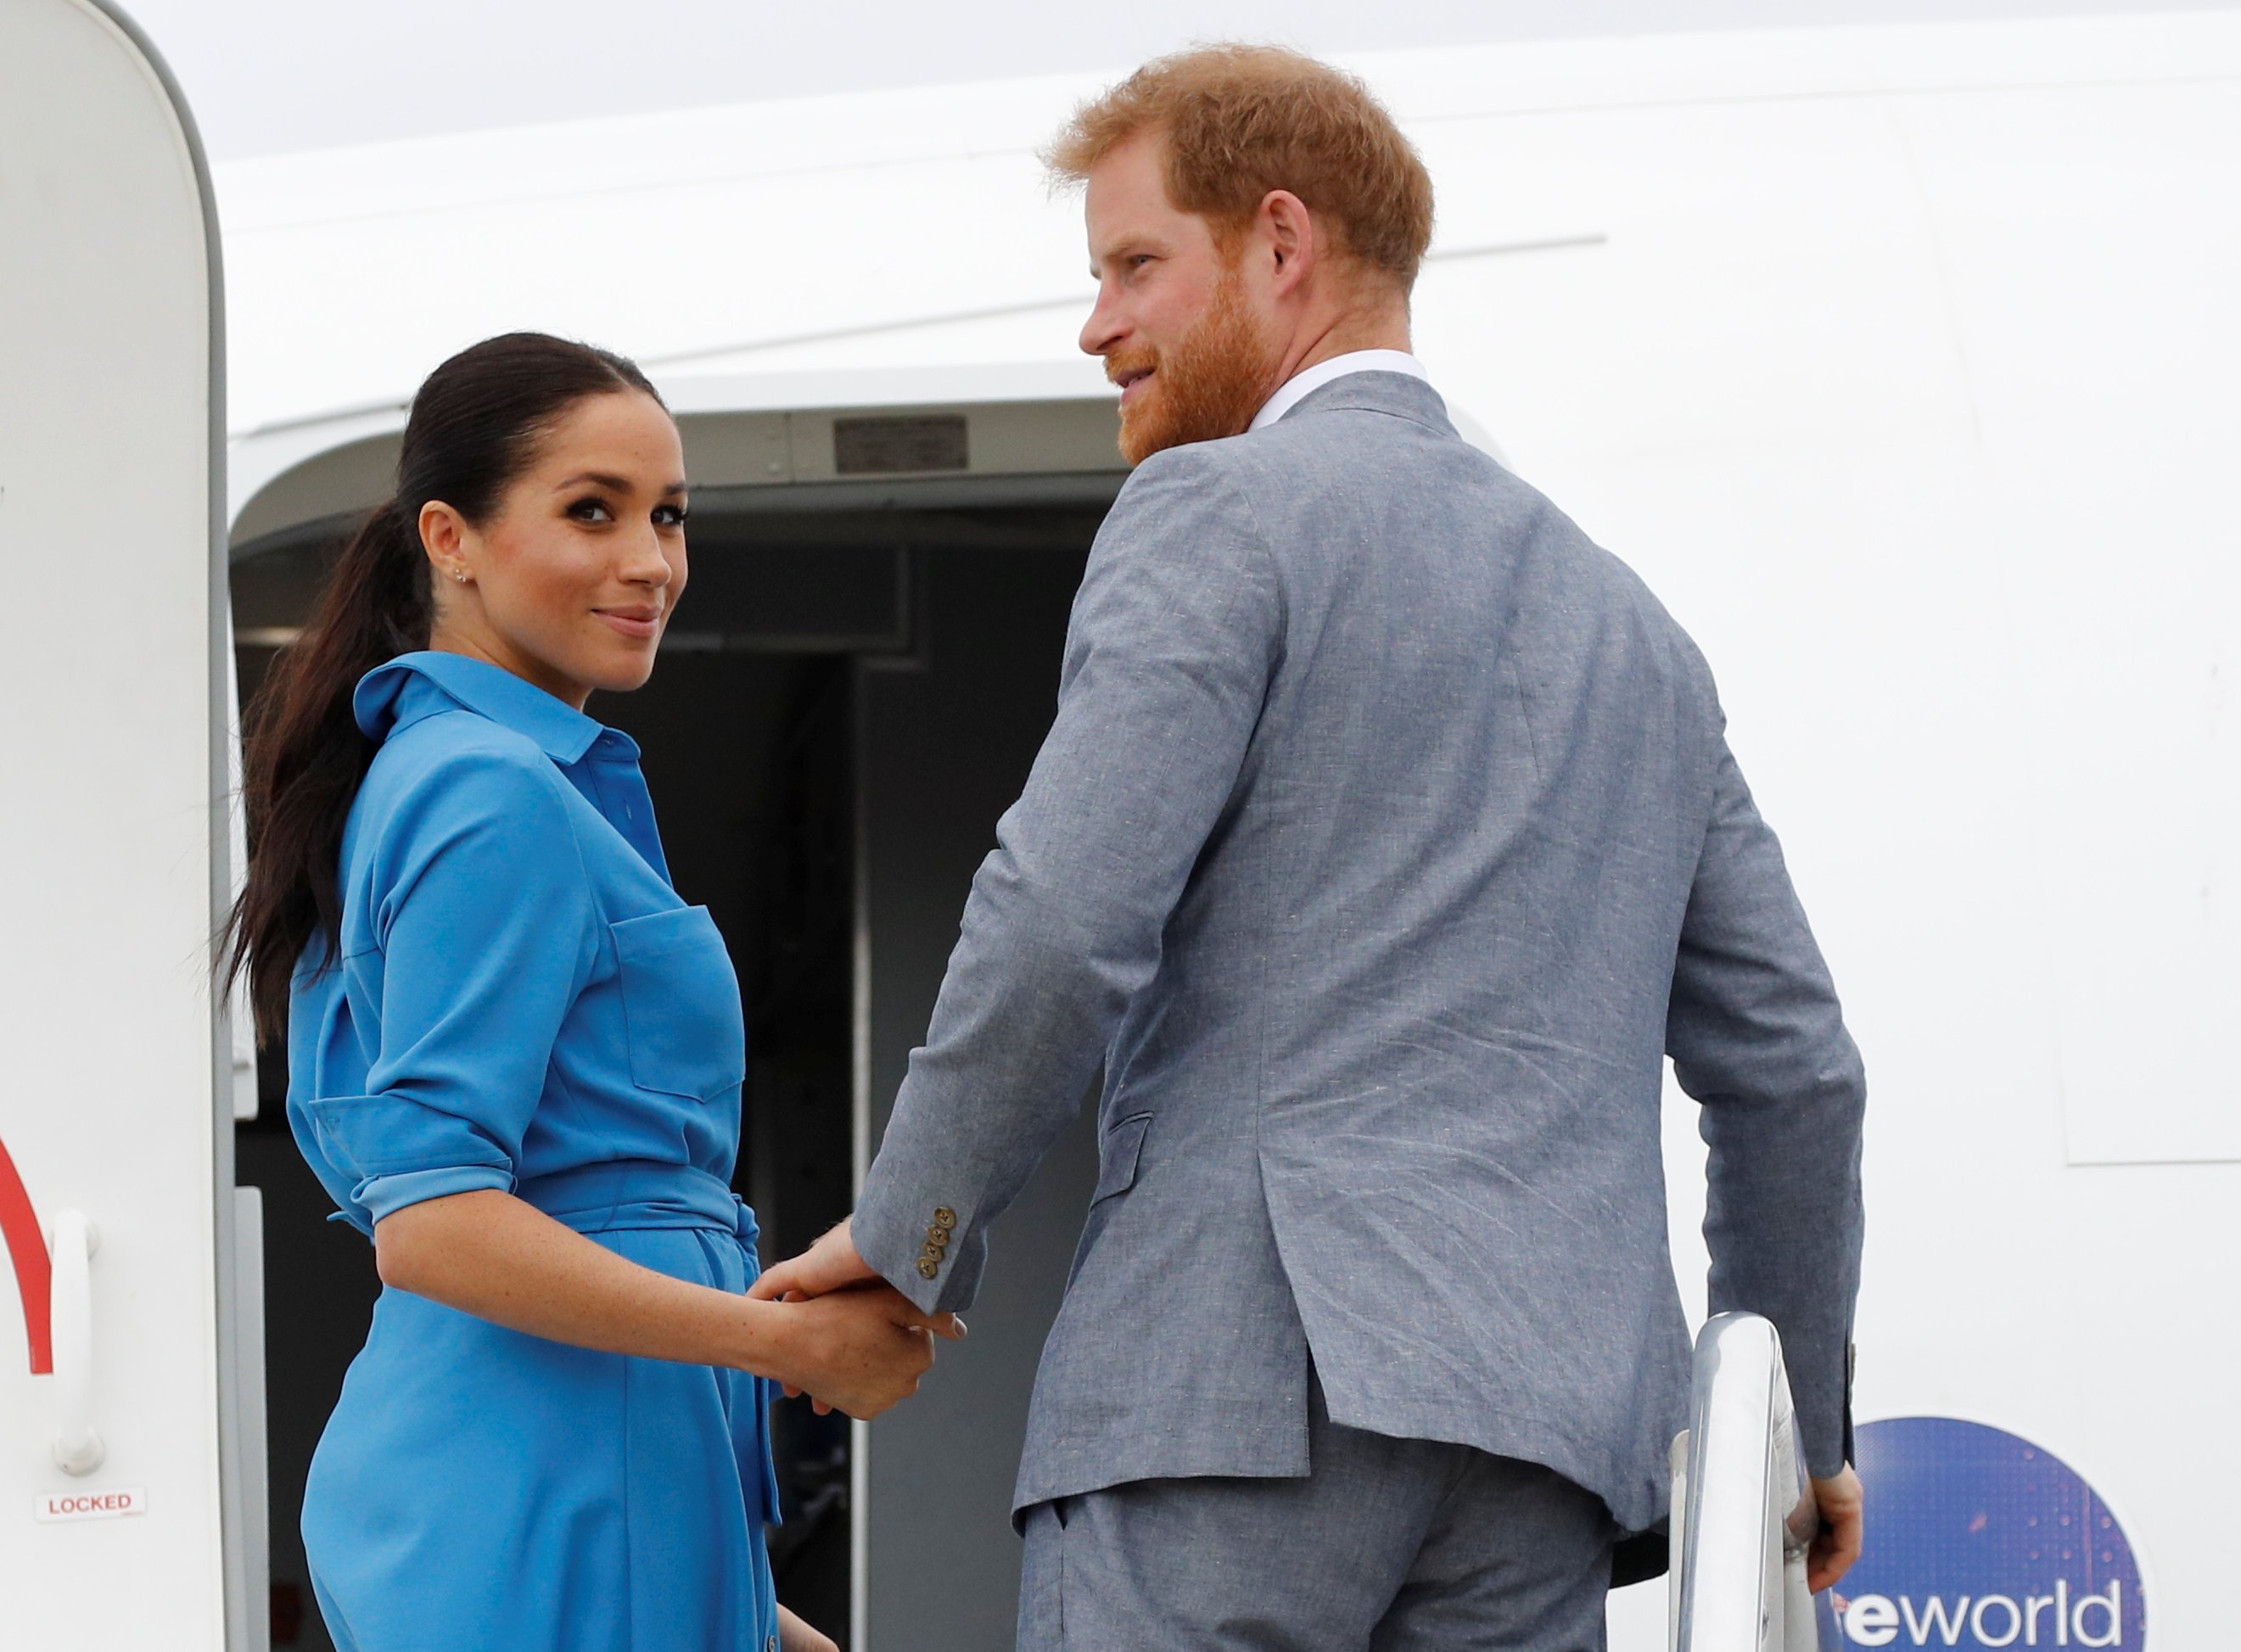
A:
x: 1374, y: 392
x: 412, y: 686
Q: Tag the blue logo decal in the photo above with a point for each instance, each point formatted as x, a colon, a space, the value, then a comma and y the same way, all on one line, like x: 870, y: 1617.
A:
x: 1976, y: 1538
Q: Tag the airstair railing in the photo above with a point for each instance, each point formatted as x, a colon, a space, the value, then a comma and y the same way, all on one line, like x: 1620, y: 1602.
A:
x: 1743, y: 1512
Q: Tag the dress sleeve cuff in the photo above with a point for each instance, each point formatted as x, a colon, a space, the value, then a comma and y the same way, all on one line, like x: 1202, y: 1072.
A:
x: 382, y: 1196
x: 402, y: 1150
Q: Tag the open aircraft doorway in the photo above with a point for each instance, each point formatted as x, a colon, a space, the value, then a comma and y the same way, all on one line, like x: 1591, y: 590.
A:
x: 851, y: 693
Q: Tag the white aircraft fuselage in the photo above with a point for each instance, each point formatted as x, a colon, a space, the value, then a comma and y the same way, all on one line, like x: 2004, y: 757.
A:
x: 1900, y: 361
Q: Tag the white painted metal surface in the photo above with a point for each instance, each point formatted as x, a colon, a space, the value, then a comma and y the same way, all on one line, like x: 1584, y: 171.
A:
x: 108, y: 862
x: 741, y: 430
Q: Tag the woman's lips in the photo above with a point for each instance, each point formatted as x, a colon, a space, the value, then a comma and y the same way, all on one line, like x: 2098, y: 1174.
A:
x: 642, y: 627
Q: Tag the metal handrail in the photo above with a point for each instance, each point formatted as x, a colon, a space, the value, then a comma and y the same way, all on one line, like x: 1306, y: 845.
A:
x: 1743, y: 1511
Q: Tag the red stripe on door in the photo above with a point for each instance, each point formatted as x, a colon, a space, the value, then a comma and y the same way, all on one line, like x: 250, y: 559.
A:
x: 27, y: 1248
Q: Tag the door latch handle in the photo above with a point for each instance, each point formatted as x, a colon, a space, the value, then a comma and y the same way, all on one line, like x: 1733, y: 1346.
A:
x: 78, y: 1449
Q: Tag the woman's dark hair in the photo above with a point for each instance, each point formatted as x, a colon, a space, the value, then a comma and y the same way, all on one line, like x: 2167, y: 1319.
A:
x: 474, y: 428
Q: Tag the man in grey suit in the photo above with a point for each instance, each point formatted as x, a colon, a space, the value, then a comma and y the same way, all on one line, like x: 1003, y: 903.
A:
x: 1385, y: 843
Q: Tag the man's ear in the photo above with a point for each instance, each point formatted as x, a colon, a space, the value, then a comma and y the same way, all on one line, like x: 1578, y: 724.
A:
x: 1288, y: 229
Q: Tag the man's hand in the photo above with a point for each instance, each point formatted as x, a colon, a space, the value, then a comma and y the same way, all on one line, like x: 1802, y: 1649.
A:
x: 832, y: 1264
x: 1842, y: 1501
x: 859, y: 1350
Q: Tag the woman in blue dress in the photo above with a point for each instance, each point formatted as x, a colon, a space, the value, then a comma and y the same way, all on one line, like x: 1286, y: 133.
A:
x: 515, y: 1059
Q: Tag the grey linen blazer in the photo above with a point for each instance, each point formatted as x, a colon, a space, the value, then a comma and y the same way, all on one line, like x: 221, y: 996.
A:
x: 1386, y: 840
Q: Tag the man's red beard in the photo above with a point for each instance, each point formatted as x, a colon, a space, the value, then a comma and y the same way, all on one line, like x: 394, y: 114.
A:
x: 1209, y: 385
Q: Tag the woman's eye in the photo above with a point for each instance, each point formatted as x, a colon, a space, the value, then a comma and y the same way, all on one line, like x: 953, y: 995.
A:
x: 669, y: 516
x: 590, y: 510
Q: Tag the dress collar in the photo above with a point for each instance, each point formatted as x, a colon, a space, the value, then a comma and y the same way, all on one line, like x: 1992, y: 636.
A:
x: 565, y: 733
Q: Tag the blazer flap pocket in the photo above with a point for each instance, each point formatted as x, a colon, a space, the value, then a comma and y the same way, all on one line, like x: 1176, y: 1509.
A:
x: 681, y: 996
x: 1123, y: 1146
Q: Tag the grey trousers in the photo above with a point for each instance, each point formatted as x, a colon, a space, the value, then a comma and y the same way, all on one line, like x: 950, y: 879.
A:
x: 1389, y: 1545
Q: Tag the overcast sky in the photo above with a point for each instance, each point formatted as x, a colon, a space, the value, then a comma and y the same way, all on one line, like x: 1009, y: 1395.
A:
x: 270, y: 76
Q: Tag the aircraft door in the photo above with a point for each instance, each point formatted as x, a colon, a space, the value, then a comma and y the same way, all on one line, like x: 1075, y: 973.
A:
x: 127, y: 1486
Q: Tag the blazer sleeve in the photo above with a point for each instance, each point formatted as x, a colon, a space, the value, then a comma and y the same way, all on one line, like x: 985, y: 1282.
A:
x: 1175, y: 635
x: 487, y: 932
x: 1757, y: 1038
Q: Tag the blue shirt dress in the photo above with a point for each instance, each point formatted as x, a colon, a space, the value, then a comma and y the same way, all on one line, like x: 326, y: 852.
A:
x: 522, y: 1002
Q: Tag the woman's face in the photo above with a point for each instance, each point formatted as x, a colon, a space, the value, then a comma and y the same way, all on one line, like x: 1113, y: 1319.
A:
x: 571, y: 581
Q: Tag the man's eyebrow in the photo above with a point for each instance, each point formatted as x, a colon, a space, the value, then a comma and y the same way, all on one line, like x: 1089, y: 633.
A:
x: 616, y: 484
x: 1128, y: 248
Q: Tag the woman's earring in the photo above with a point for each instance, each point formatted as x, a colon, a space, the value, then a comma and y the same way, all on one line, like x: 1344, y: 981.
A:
x: 460, y: 574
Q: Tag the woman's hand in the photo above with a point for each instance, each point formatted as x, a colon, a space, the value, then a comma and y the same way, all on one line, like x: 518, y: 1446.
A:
x: 859, y: 1350
x: 795, y: 1635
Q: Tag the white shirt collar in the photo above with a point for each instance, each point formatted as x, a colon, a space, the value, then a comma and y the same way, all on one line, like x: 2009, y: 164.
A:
x: 1309, y: 379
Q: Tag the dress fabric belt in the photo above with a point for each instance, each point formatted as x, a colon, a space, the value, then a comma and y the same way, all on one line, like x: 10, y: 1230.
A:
x: 622, y: 1193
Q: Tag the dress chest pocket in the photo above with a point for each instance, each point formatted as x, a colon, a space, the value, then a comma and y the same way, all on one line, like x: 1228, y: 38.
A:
x: 680, y: 1004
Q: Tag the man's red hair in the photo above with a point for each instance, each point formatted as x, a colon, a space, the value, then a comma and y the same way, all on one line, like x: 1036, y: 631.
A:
x: 1241, y: 121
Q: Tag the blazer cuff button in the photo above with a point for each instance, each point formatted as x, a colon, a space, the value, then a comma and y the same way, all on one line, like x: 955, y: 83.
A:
x: 927, y: 1270
x: 945, y: 1217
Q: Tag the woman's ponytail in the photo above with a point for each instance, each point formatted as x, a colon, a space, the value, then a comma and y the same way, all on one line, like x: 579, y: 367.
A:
x: 305, y: 755
x: 473, y: 429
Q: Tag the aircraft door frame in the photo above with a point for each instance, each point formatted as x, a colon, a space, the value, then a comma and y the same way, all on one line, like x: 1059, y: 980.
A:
x: 145, y: 1525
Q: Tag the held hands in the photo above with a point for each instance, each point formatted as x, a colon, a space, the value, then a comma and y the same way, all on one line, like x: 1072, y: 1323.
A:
x: 833, y: 1263
x: 857, y: 1344
x: 1842, y: 1501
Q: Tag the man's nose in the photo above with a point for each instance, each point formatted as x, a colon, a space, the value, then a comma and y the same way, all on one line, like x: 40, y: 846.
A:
x: 1102, y: 330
